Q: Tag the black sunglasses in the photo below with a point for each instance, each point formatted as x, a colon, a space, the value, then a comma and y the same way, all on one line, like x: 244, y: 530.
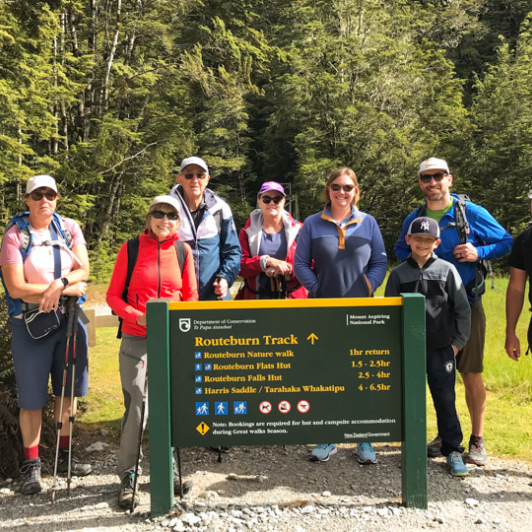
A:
x: 276, y: 200
x: 38, y: 195
x: 199, y: 176
x: 347, y: 188
x: 426, y: 178
x: 159, y: 215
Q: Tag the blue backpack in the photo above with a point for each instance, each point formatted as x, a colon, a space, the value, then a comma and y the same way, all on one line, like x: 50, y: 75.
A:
x: 58, y: 231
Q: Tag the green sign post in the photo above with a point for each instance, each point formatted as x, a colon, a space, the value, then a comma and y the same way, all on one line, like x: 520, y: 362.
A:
x: 287, y: 372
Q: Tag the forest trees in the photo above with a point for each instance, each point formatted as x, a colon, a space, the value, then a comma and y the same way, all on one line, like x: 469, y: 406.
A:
x: 108, y: 96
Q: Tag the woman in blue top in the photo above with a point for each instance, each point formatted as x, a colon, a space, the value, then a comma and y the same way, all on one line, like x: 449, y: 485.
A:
x: 340, y: 253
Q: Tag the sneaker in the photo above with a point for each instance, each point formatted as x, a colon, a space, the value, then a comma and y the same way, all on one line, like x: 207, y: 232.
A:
x: 455, y: 462
x: 322, y: 452
x: 187, y: 486
x: 366, y: 453
x: 477, y: 451
x: 31, y: 476
x: 126, y: 492
x: 77, y: 469
x: 434, y: 447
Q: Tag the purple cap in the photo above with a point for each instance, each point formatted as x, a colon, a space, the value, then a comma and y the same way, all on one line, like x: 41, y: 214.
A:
x: 271, y: 185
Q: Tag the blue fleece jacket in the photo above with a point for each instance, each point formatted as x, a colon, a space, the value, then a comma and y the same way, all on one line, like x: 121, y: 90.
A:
x: 336, y: 261
x: 486, y: 234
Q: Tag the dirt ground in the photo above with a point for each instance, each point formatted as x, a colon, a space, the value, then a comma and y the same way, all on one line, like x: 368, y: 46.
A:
x: 276, y: 488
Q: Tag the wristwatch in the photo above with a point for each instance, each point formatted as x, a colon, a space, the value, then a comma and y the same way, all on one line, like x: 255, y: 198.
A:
x: 64, y: 280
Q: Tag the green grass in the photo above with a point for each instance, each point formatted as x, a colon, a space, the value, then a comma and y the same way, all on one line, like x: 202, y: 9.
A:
x: 508, y: 430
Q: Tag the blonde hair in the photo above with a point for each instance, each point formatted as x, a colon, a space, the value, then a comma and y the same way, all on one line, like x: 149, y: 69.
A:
x: 335, y: 174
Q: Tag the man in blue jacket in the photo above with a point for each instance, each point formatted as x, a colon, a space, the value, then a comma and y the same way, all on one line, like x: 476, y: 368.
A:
x: 486, y: 240
x: 207, y: 225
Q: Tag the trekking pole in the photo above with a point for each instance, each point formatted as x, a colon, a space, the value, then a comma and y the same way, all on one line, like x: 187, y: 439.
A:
x: 139, y: 446
x: 178, y: 454
x: 70, y: 320
x: 75, y: 325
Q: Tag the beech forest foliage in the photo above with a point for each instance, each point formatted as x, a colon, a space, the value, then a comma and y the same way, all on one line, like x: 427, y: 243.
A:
x: 108, y: 96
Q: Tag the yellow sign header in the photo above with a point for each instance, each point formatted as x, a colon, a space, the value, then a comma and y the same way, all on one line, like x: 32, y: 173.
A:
x: 288, y: 303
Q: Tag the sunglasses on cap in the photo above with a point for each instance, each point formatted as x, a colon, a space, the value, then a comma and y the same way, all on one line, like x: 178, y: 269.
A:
x: 159, y: 215
x: 201, y: 175
x: 347, y: 188
x: 426, y: 178
x: 276, y: 199
x: 38, y: 195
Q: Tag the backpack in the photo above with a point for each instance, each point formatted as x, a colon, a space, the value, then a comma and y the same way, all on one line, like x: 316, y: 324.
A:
x: 132, y: 255
x: 22, y: 221
x: 477, y: 286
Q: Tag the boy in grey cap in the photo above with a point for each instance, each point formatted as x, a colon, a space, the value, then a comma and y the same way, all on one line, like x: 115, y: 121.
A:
x: 448, y: 318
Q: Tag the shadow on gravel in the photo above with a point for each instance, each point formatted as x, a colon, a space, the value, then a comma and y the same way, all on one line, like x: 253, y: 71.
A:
x: 287, y: 473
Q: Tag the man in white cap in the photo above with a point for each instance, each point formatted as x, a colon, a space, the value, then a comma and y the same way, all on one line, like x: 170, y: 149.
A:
x: 469, y: 235
x: 520, y: 268
x: 207, y: 226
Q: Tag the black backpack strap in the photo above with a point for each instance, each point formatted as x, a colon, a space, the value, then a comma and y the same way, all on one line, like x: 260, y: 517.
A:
x: 181, y: 251
x: 132, y: 255
x: 422, y: 210
x: 462, y: 225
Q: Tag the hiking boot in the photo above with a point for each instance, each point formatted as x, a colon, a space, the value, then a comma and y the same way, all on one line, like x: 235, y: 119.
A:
x: 125, y: 495
x: 434, y: 447
x: 366, y: 453
x: 77, y: 469
x: 187, y: 486
x: 221, y: 449
x: 456, y: 464
x: 477, y: 451
x: 322, y: 452
x: 31, y: 476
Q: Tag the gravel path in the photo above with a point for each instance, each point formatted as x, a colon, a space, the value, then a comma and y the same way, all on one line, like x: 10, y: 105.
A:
x: 278, y: 489
x: 275, y: 488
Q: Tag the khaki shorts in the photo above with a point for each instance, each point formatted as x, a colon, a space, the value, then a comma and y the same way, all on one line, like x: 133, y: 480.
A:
x: 471, y: 358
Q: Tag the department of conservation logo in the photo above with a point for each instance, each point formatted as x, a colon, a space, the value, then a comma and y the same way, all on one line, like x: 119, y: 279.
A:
x: 184, y: 324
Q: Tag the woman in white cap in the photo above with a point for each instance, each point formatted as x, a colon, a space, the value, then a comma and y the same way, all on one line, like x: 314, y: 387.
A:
x: 268, y: 242
x: 160, y: 266
x: 43, y: 258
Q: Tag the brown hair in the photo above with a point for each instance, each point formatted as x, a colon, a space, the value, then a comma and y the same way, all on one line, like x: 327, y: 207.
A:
x: 343, y: 170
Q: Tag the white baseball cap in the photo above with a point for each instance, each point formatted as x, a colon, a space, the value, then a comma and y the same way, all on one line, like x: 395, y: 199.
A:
x: 433, y: 164
x: 169, y: 200
x: 39, y: 181
x: 198, y: 161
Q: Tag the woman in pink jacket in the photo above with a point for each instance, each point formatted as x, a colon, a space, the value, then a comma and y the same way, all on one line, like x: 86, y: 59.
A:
x: 268, y: 243
x: 157, y: 273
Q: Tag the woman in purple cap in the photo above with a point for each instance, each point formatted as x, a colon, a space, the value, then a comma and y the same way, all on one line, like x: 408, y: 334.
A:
x: 268, y: 243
